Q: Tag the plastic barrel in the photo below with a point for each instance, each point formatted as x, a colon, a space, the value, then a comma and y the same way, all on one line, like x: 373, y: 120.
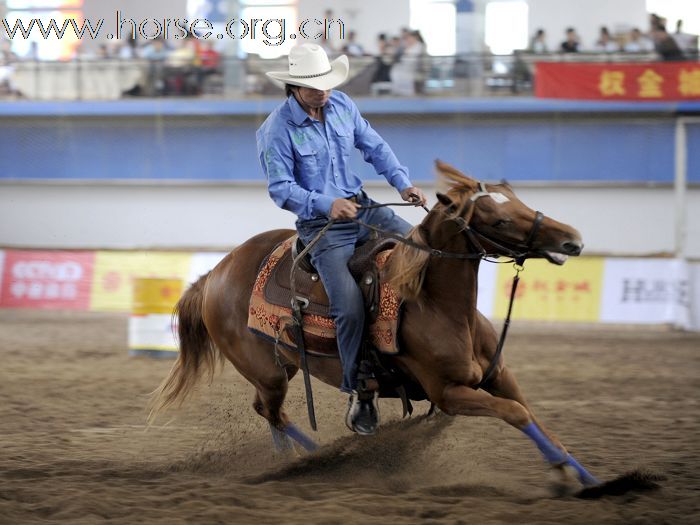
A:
x: 151, y: 330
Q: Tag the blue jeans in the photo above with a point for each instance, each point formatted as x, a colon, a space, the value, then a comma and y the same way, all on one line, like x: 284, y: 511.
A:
x: 330, y: 256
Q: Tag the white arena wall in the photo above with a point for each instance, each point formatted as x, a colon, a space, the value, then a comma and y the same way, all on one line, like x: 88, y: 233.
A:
x: 614, y: 220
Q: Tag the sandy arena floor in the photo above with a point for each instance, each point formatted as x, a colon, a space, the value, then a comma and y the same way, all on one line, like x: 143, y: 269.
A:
x: 74, y: 448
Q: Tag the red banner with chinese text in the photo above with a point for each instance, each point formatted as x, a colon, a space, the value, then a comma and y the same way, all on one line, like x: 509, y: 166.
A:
x: 60, y: 280
x: 651, y: 81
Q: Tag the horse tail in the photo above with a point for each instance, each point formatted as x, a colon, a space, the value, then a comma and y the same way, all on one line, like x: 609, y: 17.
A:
x: 197, y: 351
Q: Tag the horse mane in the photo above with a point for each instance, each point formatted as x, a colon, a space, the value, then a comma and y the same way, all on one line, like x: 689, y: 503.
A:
x: 405, y: 269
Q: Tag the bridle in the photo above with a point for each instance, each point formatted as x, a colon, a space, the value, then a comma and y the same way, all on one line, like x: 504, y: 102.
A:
x: 517, y: 252
x: 474, y: 235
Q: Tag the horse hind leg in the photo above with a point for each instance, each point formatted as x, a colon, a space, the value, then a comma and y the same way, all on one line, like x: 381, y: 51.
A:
x: 269, y: 398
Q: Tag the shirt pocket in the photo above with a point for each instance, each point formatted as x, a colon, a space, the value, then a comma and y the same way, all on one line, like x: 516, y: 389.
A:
x: 306, y: 159
x: 346, y: 140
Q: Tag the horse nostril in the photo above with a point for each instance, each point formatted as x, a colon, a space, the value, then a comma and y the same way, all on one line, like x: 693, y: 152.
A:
x: 572, y: 247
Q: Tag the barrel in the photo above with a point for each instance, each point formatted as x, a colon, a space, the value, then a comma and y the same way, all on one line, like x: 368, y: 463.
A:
x: 151, y: 323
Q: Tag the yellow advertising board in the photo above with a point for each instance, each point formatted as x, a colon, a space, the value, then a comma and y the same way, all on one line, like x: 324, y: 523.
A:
x: 547, y: 292
x: 115, y: 272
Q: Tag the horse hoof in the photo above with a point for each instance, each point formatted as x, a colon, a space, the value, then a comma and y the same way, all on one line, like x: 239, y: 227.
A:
x: 563, y: 481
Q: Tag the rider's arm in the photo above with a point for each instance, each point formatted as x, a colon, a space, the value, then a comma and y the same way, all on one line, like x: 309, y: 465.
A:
x: 277, y: 161
x: 376, y: 151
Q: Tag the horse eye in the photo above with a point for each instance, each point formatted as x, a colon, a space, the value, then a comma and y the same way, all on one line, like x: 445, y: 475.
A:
x: 500, y: 223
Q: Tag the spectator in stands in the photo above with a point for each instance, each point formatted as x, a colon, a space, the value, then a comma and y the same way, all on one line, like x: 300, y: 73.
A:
x: 571, y: 44
x: 156, y: 52
x: 351, y: 47
x: 127, y: 50
x: 605, y: 43
x: 209, y: 64
x: 538, y: 43
x: 638, y: 43
x: 182, y: 68
x: 665, y: 45
x: 408, y: 75
x: 686, y: 42
x: 381, y: 80
x: 7, y: 60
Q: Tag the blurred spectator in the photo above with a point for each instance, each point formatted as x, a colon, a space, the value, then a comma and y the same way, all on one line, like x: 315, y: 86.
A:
x: 127, y: 50
x: 409, y: 73
x: 638, y: 43
x: 155, y: 50
x: 384, y: 61
x: 156, y: 53
x: 209, y: 58
x: 686, y: 42
x: 538, y: 43
x: 182, y: 75
x: 103, y: 52
x: 352, y: 48
x: 184, y: 55
x: 7, y: 60
x: 209, y: 66
x: 330, y: 41
x: 33, y: 53
x: 655, y: 22
x: 571, y: 44
x: 665, y: 45
x: 605, y: 42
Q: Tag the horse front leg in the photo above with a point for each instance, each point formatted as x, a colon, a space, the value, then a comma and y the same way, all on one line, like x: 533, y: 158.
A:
x: 505, y: 386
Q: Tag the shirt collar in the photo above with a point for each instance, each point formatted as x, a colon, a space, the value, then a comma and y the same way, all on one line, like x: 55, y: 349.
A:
x: 298, y: 113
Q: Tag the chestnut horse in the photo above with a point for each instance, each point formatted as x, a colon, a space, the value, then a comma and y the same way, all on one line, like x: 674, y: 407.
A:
x: 447, y: 345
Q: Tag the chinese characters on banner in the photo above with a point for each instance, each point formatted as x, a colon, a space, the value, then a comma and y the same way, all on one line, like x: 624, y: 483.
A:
x: 553, y: 293
x: 652, y: 81
x: 59, y: 280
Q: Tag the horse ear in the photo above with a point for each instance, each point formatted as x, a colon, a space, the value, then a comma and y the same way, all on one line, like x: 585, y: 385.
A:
x: 444, y: 199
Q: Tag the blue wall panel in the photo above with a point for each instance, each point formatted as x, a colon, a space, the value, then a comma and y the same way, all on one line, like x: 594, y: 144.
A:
x: 553, y: 145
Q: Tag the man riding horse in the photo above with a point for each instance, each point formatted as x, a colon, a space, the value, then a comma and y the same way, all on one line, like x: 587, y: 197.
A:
x: 304, y: 147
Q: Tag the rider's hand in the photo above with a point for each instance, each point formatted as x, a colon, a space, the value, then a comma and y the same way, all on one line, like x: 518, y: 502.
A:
x: 344, y: 209
x: 414, y: 195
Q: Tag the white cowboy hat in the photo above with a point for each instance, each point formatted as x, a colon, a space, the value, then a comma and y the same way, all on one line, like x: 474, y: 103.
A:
x: 309, y: 67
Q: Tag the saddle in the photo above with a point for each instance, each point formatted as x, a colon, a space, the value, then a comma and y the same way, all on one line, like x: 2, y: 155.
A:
x: 270, y: 306
x: 309, y: 288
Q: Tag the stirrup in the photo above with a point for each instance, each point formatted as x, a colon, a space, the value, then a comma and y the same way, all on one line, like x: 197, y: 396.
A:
x: 362, y: 416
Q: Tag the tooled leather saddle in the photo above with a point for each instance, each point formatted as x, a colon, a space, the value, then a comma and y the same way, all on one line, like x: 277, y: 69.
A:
x: 309, y: 288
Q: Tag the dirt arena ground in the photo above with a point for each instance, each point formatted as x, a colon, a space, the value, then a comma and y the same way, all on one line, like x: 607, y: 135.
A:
x: 74, y: 447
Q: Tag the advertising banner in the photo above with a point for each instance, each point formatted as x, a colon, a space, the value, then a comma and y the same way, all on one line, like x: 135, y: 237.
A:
x: 115, y: 271
x: 552, y: 293
x: 654, y: 291
x: 51, y: 279
x: 612, y: 81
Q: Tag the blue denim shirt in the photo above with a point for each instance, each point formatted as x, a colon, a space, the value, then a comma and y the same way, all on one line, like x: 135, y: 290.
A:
x: 307, y: 162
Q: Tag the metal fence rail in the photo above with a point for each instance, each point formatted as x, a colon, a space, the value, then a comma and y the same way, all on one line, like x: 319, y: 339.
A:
x: 475, y: 75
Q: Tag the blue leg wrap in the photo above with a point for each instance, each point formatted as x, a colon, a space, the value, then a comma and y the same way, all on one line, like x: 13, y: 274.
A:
x: 280, y: 439
x: 553, y: 455
x: 586, y: 478
x: 297, y: 435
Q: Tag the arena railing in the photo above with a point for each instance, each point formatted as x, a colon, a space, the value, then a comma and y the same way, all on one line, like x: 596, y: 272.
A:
x: 470, y: 75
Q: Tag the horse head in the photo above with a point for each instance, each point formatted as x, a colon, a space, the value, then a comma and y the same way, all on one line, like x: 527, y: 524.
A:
x: 497, y: 222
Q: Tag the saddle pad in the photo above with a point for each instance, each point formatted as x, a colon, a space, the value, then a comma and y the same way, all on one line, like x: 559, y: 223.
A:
x: 273, y: 321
